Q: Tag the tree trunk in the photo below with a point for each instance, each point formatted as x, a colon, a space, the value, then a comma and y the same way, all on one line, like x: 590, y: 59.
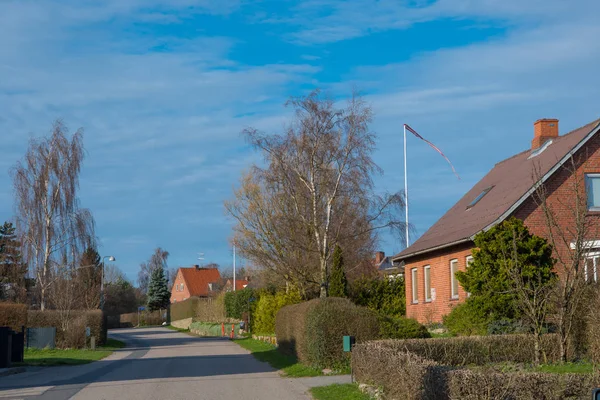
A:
x: 536, y: 346
x: 323, y: 292
x: 43, y: 299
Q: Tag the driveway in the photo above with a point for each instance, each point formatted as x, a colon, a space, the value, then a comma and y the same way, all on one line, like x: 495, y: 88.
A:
x: 160, y: 364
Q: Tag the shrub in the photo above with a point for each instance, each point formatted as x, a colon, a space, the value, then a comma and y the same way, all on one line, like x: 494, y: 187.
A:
x: 592, y: 331
x: 267, y: 307
x: 13, y: 315
x: 386, y: 296
x: 211, y: 309
x: 477, y: 350
x: 184, y: 309
x: 405, y: 375
x: 70, y: 328
x: 466, y: 319
x: 402, y: 328
x: 313, y: 330
x: 238, y: 302
x: 401, y: 374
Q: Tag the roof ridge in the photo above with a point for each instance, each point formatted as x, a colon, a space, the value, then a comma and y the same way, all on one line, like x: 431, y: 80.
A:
x: 595, y: 122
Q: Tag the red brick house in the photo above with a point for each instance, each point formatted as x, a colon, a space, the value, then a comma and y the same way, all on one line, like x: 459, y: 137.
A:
x: 195, y: 281
x: 559, y: 162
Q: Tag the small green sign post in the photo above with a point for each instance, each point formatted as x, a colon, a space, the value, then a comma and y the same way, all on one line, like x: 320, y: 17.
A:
x: 349, y: 341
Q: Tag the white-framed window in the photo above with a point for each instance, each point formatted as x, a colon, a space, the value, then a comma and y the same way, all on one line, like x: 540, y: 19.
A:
x: 591, y: 267
x: 182, y: 287
x: 592, y: 184
x: 427, y: 282
x: 468, y: 261
x: 415, y: 285
x: 453, y: 280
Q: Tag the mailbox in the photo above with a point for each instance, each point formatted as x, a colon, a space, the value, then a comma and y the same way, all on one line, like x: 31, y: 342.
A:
x: 348, y: 343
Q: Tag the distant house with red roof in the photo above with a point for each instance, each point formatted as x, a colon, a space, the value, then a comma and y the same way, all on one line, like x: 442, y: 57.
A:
x: 195, y: 282
x: 557, y: 162
x: 239, y: 284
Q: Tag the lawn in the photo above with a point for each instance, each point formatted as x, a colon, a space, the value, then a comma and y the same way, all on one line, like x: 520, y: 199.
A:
x: 348, y: 391
x: 567, y: 368
x: 52, y: 357
x: 268, y: 353
x: 171, y: 327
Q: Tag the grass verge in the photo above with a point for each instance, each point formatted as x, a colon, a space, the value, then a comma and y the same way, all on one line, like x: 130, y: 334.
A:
x: 567, y: 368
x: 173, y: 328
x: 53, y: 357
x: 268, y: 353
x: 347, y: 391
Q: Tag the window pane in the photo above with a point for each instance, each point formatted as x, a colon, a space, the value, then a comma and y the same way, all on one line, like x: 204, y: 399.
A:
x: 453, y: 269
x: 415, y: 294
x: 593, y: 190
x: 427, y: 284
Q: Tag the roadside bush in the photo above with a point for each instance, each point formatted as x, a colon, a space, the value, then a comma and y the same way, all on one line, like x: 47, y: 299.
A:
x: 313, y: 330
x: 267, y: 307
x: 405, y: 375
x: 592, y: 331
x: 402, y: 328
x: 211, y: 309
x: 466, y: 319
x: 477, y: 350
x: 184, y: 309
x: 484, y: 384
x: 70, y: 328
x: 239, y: 302
x: 13, y: 315
x: 386, y: 296
x: 401, y: 374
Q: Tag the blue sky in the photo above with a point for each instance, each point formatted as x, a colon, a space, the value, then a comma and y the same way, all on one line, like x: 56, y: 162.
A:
x: 163, y: 89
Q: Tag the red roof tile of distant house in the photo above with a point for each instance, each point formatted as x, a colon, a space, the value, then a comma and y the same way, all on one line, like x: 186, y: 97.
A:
x: 197, y: 279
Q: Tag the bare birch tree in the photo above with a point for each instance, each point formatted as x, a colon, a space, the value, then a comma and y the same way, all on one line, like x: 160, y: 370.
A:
x: 157, y: 260
x: 315, y: 191
x: 569, y: 228
x: 54, y: 229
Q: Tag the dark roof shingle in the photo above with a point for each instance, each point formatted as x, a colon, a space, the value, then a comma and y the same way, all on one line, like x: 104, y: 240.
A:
x: 510, y: 180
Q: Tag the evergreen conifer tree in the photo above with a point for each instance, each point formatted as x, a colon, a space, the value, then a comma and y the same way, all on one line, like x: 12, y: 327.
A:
x: 158, y: 292
x: 338, y: 284
x: 13, y: 270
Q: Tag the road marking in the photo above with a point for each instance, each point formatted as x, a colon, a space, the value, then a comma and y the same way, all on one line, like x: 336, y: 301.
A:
x: 28, y: 392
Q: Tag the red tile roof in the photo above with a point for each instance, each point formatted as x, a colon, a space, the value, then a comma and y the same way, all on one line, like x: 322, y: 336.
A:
x: 239, y: 283
x: 510, y: 180
x: 197, y: 279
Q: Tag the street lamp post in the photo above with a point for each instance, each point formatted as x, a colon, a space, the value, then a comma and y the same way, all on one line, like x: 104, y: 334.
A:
x: 110, y: 258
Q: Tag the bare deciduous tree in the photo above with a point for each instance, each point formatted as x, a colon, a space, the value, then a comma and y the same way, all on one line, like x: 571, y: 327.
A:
x: 157, y: 260
x: 316, y: 191
x: 569, y: 228
x: 54, y: 229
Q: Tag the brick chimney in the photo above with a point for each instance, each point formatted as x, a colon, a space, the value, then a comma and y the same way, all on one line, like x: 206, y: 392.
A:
x: 197, y: 266
x: 543, y: 130
x: 379, y: 256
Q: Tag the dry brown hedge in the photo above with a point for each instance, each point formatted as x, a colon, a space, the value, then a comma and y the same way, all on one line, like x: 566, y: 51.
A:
x: 478, y: 350
x: 13, y: 315
x: 70, y: 328
x: 405, y: 375
x: 313, y: 330
x: 184, y: 309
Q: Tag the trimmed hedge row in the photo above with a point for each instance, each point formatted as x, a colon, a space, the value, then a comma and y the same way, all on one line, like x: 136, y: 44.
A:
x: 70, y: 328
x: 478, y: 350
x: 184, y: 309
x: 313, y: 331
x: 13, y: 315
x: 406, y: 375
x: 201, y: 309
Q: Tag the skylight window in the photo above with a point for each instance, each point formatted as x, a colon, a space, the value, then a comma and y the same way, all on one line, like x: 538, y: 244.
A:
x: 476, y: 200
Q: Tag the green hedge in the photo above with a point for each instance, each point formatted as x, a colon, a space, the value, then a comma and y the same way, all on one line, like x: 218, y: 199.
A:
x: 402, y: 328
x: 313, y: 330
x: 239, y: 302
x: 405, y: 375
x: 267, y: 307
x: 70, y: 326
x: 184, y: 309
x: 13, y: 315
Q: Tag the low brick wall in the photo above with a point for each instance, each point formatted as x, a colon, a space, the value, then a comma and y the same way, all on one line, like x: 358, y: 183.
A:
x: 182, y: 323
x: 266, y: 339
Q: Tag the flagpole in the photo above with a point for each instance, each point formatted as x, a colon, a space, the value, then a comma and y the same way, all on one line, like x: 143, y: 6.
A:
x: 406, y: 190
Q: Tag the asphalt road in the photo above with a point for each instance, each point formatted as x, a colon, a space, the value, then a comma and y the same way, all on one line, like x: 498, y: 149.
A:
x: 160, y: 364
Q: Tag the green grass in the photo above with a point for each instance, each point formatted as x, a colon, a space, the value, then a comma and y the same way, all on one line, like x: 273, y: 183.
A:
x: 567, y: 368
x: 268, y: 353
x: 348, y: 391
x: 53, y: 357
